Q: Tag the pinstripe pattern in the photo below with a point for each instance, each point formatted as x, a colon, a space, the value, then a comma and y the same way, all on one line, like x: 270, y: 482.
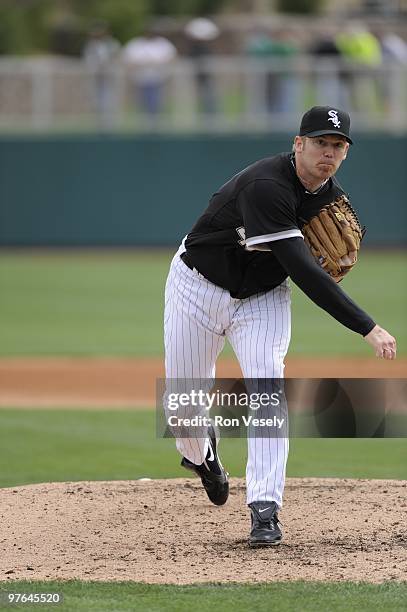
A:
x: 260, y: 336
x: 197, y: 319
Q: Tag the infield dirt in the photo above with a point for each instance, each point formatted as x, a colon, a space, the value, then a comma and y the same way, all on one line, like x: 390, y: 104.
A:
x: 166, y: 531
x: 52, y: 382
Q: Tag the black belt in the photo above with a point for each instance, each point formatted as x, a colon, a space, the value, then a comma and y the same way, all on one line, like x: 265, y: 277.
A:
x: 186, y: 260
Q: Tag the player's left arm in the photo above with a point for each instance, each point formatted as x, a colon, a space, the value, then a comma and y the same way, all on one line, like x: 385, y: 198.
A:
x: 382, y: 342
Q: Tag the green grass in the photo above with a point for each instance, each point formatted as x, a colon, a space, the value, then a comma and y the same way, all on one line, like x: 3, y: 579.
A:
x: 378, y: 285
x: 47, y: 446
x: 105, y: 303
x: 284, y: 597
x: 111, y: 303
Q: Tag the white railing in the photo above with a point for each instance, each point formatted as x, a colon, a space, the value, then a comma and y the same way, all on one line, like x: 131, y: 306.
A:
x: 219, y: 94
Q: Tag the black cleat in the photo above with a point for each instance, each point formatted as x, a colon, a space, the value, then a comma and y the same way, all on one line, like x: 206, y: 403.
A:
x: 211, y: 472
x: 266, y: 529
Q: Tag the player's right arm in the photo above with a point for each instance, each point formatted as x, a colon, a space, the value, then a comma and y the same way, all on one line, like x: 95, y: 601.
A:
x: 295, y: 257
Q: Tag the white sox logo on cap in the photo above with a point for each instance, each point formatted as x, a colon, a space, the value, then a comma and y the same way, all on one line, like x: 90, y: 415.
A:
x: 320, y: 120
x: 333, y: 116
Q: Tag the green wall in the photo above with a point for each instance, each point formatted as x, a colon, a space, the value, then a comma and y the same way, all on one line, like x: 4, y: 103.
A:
x: 148, y: 190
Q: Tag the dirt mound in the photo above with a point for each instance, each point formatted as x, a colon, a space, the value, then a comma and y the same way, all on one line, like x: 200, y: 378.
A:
x: 166, y: 531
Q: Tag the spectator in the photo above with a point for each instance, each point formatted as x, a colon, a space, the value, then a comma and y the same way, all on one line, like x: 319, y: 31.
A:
x: 279, y: 83
x: 394, y: 48
x: 328, y: 71
x: 362, y: 51
x: 394, y: 52
x: 147, y: 58
x: 200, y: 33
x: 100, y: 52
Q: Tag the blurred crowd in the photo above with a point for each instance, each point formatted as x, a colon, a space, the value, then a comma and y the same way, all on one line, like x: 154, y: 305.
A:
x: 347, y: 58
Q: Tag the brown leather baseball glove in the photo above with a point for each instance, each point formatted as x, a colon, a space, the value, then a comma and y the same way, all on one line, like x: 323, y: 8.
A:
x: 334, y: 237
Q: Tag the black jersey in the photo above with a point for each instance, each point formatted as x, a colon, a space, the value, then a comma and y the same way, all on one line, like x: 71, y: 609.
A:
x: 231, y: 243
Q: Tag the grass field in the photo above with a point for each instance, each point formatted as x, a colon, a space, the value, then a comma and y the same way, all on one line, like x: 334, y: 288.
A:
x: 286, y: 597
x: 48, y: 446
x: 111, y: 303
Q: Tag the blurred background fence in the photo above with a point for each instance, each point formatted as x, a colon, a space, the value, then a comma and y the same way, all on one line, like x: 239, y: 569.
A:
x: 218, y: 94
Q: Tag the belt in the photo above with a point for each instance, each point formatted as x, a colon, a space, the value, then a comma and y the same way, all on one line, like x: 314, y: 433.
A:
x: 187, y: 261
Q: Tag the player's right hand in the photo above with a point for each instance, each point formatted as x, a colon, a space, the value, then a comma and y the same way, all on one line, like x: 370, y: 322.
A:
x: 382, y: 342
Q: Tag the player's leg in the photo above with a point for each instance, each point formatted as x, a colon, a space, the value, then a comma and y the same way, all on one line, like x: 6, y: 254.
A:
x: 194, y: 337
x: 260, y: 336
x: 260, y: 332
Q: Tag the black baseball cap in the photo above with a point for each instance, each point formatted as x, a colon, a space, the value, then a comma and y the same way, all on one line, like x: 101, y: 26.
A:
x: 320, y: 120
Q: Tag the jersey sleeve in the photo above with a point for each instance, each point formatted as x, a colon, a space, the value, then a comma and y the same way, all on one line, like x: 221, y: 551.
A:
x: 296, y: 259
x: 268, y: 212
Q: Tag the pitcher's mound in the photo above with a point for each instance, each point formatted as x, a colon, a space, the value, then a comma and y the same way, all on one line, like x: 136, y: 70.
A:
x: 166, y: 531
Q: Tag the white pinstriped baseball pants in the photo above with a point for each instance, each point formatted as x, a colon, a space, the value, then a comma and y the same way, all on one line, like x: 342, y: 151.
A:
x: 198, y: 317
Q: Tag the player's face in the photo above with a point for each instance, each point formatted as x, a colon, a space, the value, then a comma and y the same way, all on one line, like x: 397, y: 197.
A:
x: 320, y: 156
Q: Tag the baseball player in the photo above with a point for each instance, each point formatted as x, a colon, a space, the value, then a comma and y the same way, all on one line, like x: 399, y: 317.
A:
x: 229, y: 279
